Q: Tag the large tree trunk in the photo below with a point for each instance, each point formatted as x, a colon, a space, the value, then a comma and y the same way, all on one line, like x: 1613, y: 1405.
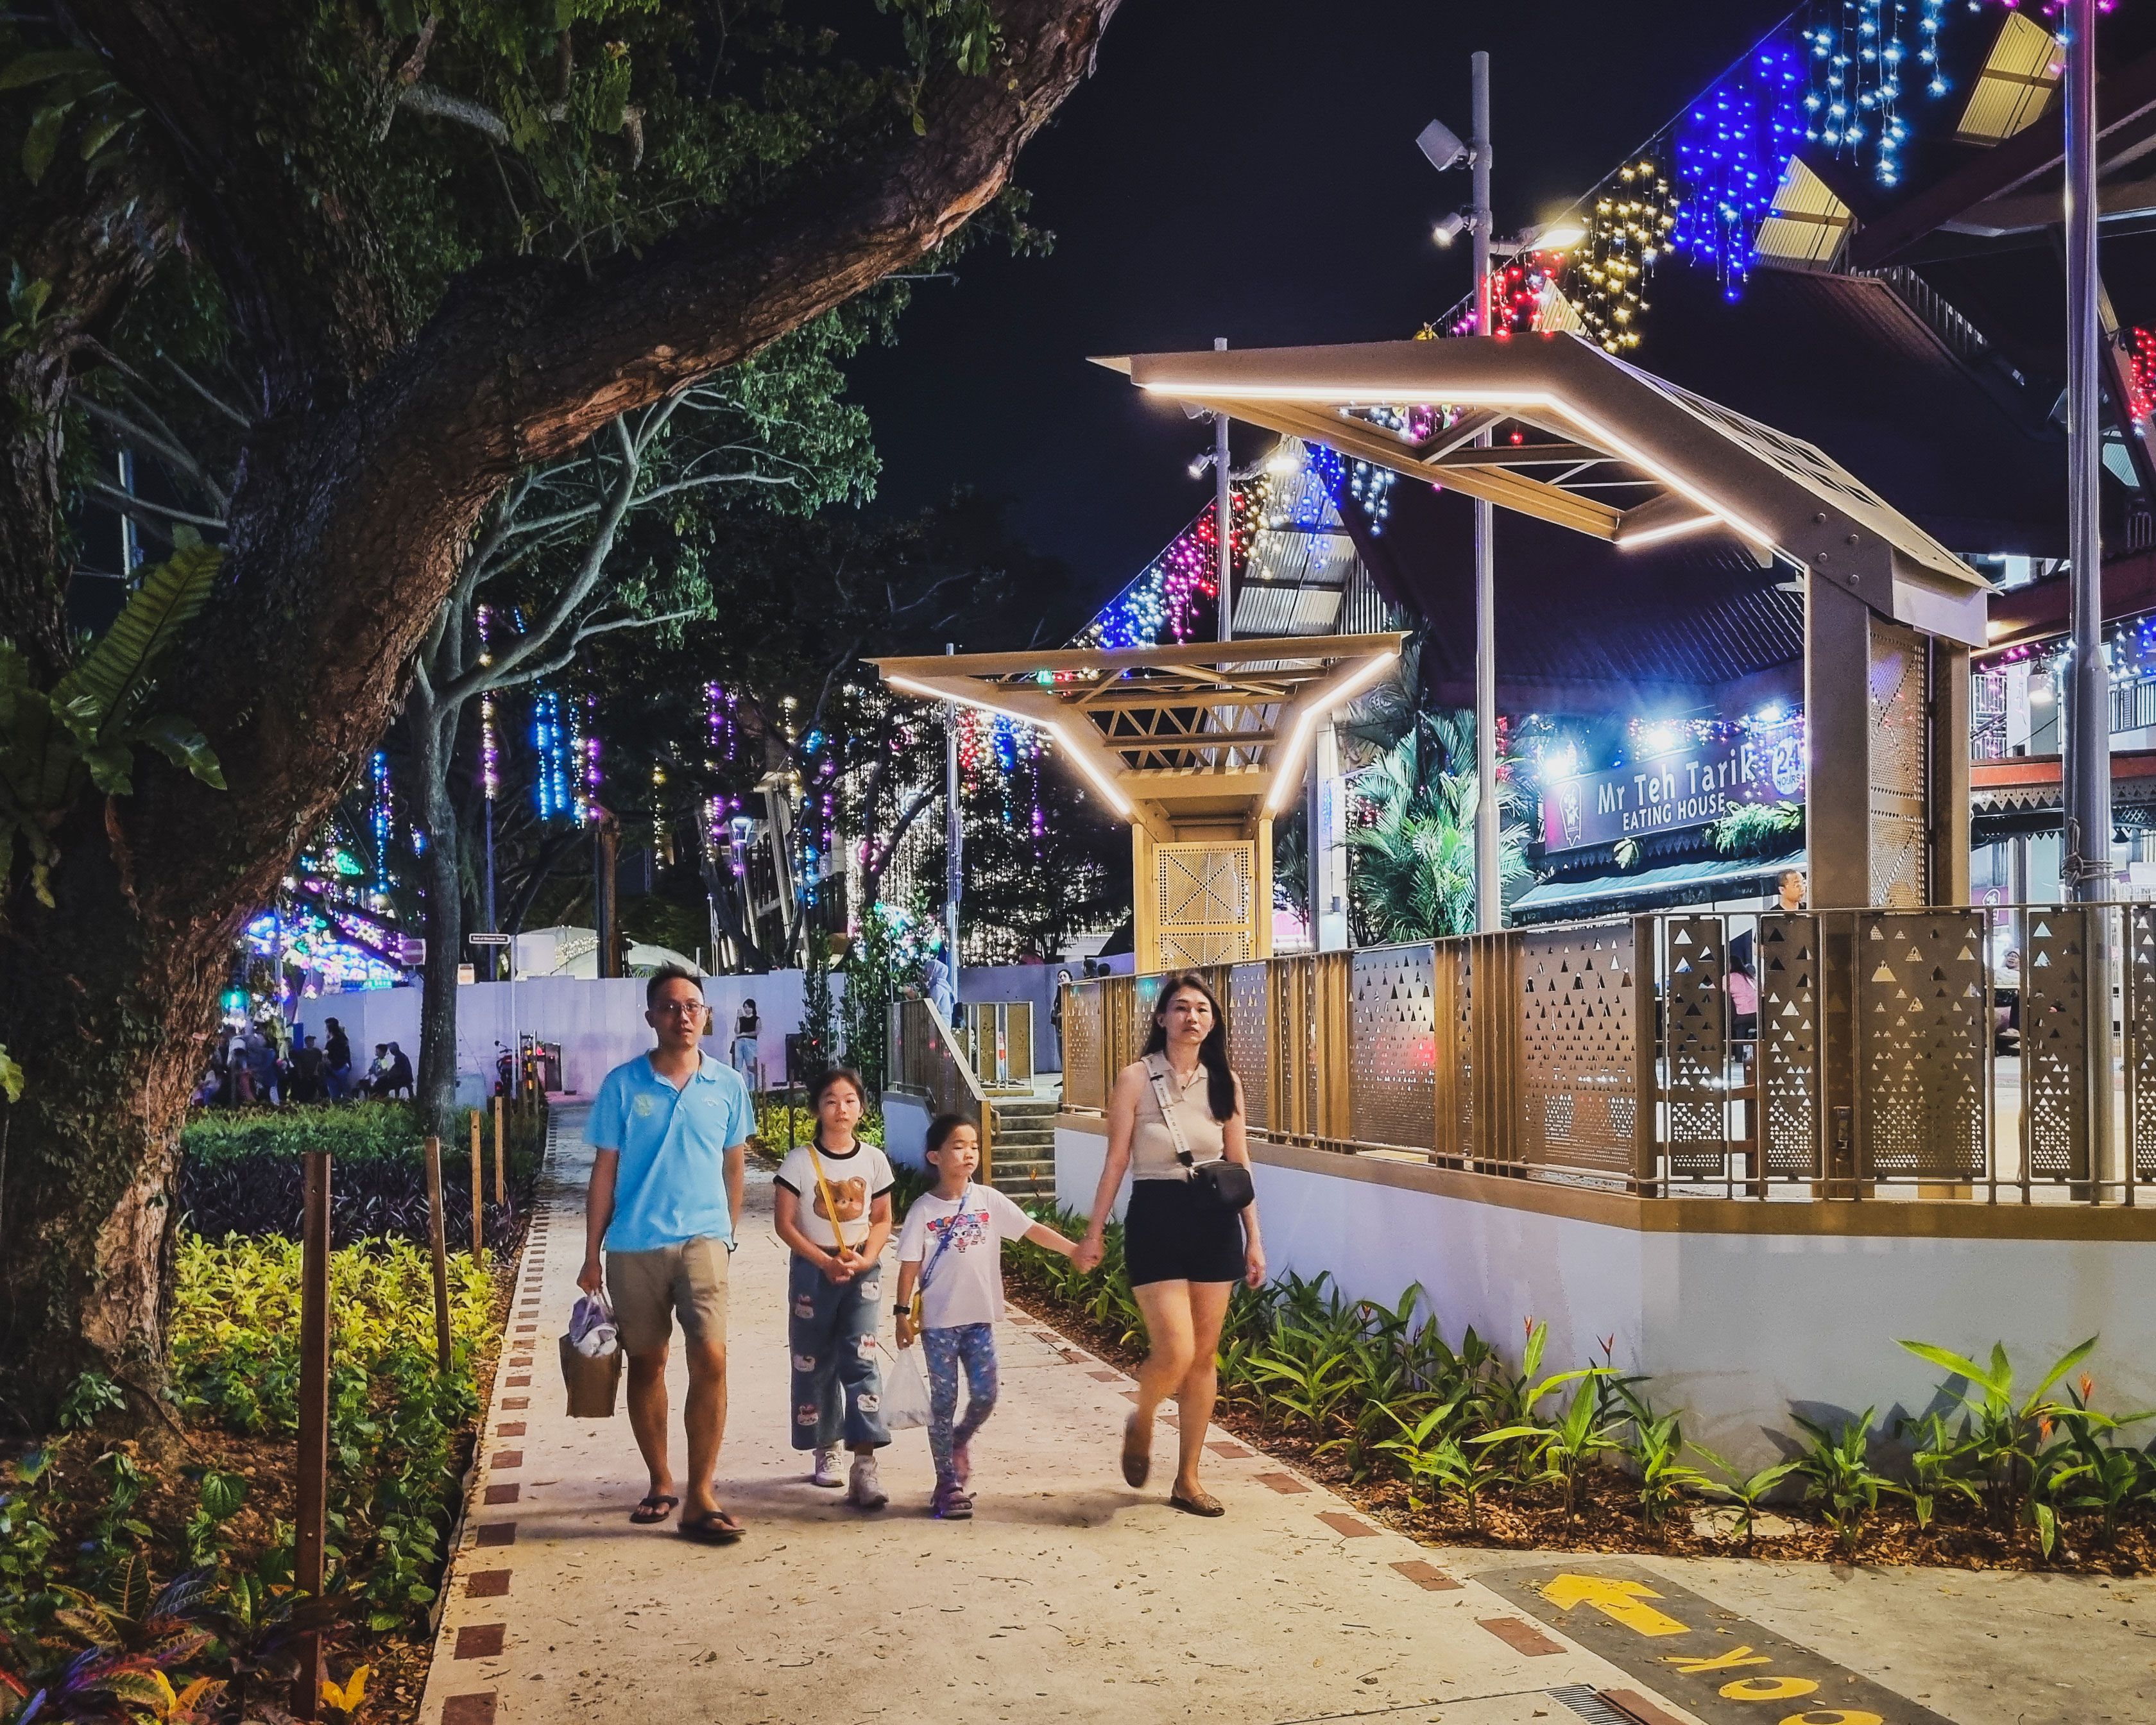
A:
x: 359, y: 485
x: 111, y: 1019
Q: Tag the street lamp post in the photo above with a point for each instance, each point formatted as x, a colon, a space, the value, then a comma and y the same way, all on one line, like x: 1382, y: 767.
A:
x: 2087, y: 764
x: 1489, y: 910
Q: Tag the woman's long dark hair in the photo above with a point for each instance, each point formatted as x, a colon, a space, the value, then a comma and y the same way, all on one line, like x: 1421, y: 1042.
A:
x: 1212, y: 1052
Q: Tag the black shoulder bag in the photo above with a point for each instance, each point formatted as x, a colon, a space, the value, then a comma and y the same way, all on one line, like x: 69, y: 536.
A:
x: 1220, y: 1183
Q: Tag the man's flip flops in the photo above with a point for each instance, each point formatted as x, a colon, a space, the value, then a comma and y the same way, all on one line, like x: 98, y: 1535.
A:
x: 714, y: 1527
x: 653, y: 1509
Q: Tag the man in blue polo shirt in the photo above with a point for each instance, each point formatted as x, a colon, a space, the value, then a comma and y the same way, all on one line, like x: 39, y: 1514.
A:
x: 670, y: 1130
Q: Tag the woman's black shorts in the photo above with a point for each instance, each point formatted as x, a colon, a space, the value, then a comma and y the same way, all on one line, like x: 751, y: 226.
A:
x: 1168, y: 1235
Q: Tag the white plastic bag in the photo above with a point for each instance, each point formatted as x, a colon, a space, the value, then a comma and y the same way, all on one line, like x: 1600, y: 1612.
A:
x: 906, y: 1391
x: 591, y: 1329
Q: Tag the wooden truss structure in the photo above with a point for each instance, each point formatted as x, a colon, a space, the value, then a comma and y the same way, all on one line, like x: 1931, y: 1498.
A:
x: 1198, y: 745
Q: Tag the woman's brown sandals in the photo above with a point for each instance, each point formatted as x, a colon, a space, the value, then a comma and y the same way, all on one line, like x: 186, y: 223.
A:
x: 1137, y: 1455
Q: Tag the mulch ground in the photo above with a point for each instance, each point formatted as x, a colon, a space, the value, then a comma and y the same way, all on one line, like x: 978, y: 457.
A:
x: 1609, y: 1518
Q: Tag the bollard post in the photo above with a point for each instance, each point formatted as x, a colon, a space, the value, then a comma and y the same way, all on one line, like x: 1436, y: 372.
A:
x: 436, y: 1235
x: 501, y: 1187
x: 478, y: 1235
x: 314, y: 1456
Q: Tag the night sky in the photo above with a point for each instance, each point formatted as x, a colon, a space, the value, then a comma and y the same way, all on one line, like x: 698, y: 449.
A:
x: 1247, y: 168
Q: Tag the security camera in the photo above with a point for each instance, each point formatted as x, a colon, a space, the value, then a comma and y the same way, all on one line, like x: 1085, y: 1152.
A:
x: 1438, y: 141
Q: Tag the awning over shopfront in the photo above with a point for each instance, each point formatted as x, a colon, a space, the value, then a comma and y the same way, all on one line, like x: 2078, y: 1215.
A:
x: 1652, y: 888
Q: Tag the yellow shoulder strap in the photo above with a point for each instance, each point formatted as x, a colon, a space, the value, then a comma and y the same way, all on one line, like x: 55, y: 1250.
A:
x: 830, y: 1203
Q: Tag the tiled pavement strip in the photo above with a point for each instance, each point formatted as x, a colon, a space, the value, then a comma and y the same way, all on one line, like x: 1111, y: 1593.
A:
x: 1067, y: 1597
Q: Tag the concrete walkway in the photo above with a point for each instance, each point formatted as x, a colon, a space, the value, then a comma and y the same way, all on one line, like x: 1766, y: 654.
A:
x: 1069, y: 1596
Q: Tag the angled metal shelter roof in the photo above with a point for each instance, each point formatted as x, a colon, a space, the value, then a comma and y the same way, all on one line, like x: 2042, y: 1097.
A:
x: 1196, y: 730
x: 1586, y: 442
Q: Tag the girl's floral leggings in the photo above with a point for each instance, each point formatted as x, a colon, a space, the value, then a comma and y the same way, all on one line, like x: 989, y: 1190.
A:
x: 973, y: 1345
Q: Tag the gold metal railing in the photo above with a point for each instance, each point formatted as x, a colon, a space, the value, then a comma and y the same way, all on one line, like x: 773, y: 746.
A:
x: 1887, y: 1057
x: 996, y: 1037
x: 926, y: 1059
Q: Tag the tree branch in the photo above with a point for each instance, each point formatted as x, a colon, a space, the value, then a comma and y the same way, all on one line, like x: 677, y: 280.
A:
x: 127, y: 505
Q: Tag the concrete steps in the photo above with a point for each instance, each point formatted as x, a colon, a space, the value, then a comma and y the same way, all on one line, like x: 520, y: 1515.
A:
x: 1024, y: 1149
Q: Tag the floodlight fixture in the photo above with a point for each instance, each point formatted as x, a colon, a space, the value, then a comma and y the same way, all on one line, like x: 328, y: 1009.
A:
x: 1439, y: 142
x: 1450, y: 227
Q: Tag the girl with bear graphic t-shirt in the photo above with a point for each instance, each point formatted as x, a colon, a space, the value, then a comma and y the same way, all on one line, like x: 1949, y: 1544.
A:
x: 833, y: 1208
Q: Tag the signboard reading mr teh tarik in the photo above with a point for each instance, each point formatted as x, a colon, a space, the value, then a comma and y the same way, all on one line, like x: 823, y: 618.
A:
x: 1688, y: 787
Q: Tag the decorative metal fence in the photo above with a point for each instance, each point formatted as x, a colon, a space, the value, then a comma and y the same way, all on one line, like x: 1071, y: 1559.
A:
x: 1886, y: 1055
x: 928, y: 1059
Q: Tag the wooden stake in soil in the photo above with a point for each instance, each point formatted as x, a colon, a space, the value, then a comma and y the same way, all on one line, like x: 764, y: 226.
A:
x: 436, y: 1232
x: 478, y: 1241
x: 314, y: 1457
x: 501, y: 1191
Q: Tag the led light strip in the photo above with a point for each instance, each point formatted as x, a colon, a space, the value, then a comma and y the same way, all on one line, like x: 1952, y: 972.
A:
x: 1287, y: 769
x: 1594, y: 432
x: 1107, y: 787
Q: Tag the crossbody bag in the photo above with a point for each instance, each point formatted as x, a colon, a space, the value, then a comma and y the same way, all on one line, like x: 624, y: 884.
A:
x: 1221, y: 1183
x: 935, y: 1257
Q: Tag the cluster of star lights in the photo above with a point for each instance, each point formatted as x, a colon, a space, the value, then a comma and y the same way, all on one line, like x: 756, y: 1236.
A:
x: 1853, y: 78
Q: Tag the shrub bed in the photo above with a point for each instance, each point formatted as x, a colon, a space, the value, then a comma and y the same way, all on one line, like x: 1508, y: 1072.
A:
x: 242, y: 1172
x: 155, y: 1578
x: 1456, y: 1447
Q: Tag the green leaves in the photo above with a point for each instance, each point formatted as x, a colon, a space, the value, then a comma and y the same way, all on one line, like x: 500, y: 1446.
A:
x: 73, y: 79
x: 119, y: 669
x: 11, y: 1075
x: 87, y: 725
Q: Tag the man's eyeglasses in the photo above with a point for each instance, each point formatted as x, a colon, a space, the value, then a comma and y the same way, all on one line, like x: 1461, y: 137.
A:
x: 680, y: 1008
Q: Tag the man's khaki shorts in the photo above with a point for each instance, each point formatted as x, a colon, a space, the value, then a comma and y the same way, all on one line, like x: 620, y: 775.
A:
x: 650, y: 1289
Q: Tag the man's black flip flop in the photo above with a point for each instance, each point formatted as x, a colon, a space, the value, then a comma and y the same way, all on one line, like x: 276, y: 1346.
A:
x: 653, y: 1509
x: 714, y: 1527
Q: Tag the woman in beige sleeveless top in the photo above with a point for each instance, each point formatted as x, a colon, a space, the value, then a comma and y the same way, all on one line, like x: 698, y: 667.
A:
x: 1184, y: 1255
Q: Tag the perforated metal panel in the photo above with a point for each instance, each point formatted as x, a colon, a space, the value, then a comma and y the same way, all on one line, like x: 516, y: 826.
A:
x: 1790, y: 997
x: 2055, y: 1126
x: 1901, y: 854
x: 1204, y: 903
x: 1085, y: 1085
x: 1576, y: 1000
x: 2141, y: 1041
x: 1695, y: 1043
x: 1392, y: 1046
x: 1250, y: 1041
x: 1923, y: 1028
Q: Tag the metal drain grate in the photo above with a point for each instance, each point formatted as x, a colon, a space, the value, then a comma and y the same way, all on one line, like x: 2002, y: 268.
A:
x: 1584, y: 1700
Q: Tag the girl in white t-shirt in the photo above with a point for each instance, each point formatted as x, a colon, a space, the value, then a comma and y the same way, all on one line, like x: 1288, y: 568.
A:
x: 951, y: 1250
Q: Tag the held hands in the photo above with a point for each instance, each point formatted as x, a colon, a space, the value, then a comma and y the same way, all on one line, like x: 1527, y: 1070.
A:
x: 843, y: 1265
x: 592, y: 1278
x: 1086, y: 1254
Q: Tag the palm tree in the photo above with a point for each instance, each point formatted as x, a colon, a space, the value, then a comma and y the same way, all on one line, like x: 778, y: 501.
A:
x: 1415, y: 878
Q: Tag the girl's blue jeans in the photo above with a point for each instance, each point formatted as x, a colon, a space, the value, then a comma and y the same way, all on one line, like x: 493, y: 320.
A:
x: 831, y: 1332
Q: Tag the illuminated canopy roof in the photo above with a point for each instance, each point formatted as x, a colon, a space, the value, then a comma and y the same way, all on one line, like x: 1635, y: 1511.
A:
x: 1198, y: 730
x: 1586, y: 442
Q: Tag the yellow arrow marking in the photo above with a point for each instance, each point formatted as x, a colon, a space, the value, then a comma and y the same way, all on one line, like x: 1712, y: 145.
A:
x: 1692, y: 1664
x: 1617, y: 1600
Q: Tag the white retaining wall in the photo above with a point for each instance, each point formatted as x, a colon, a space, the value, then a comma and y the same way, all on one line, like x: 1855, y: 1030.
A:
x: 1736, y: 1328
x: 599, y: 1023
